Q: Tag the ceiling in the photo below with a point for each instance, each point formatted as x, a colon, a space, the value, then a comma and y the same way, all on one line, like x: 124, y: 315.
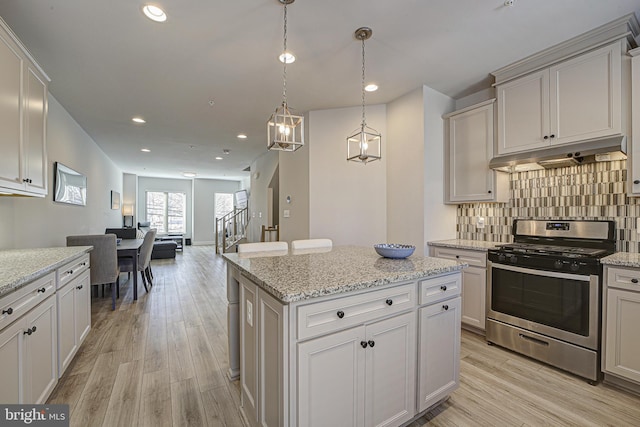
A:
x: 109, y: 63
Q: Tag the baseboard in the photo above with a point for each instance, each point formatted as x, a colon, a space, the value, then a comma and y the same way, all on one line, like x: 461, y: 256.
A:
x: 203, y: 243
x: 621, y: 383
x: 473, y: 329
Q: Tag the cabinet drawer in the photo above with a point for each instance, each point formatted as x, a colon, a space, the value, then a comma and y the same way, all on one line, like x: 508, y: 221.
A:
x: 324, y: 317
x: 14, y: 305
x: 473, y: 258
x: 72, y: 270
x: 623, y: 278
x: 440, y: 288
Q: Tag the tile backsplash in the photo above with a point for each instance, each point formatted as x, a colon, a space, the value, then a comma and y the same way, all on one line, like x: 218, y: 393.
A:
x: 592, y: 191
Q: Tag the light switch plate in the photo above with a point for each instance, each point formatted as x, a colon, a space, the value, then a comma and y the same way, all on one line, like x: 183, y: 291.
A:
x: 286, y: 213
x: 480, y: 222
x: 249, y: 313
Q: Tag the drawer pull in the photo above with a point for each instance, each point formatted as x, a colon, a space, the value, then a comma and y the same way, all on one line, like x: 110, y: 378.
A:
x: 363, y: 344
x: 371, y: 343
x: 389, y: 301
x: 443, y: 288
x: 8, y: 311
x: 634, y: 280
x: 445, y: 307
x: 43, y: 290
x: 79, y: 287
x: 30, y: 331
x: 340, y: 314
x: 83, y: 264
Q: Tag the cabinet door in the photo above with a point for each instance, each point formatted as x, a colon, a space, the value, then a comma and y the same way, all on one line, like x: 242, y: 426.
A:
x: 622, y: 348
x: 41, y: 351
x: 470, y: 150
x: 12, y: 366
x: 586, y: 96
x: 67, y: 333
x: 11, y: 172
x: 249, y: 347
x: 390, y: 393
x: 82, y: 298
x: 439, y: 352
x: 331, y: 380
x: 523, y: 113
x: 634, y: 158
x: 34, y: 142
x: 474, y: 288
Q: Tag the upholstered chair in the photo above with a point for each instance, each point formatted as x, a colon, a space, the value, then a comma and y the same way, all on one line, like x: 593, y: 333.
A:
x: 144, y: 260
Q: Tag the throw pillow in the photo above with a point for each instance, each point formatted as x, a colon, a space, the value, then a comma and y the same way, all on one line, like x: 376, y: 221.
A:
x: 139, y: 234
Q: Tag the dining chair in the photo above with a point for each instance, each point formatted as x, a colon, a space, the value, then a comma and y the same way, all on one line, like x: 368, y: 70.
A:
x: 311, y: 244
x: 144, y: 260
x: 262, y: 247
x: 103, y: 260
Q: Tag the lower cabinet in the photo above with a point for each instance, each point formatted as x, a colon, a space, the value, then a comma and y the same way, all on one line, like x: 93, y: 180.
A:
x: 74, y: 318
x: 622, y: 347
x: 364, y: 376
x: 28, y: 356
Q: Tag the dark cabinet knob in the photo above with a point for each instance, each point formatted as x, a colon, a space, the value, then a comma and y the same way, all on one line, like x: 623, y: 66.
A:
x: 636, y: 181
x: 25, y: 180
x: 371, y: 343
x: 43, y: 290
x: 30, y: 331
x: 8, y: 311
x: 33, y: 329
x: 389, y: 301
x: 446, y: 307
x: 634, y: 280
x: 552, y: 136
x: 363, y: 344
x: 340, y: 314
x: 576, y: 154
x: 457, y: 256
x: 545, y: 137
x: 443, y: 288
x: 489, y: 191
x: 79, y: 287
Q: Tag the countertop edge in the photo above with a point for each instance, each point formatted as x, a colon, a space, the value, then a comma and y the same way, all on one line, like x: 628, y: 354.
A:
x: 472, y: 245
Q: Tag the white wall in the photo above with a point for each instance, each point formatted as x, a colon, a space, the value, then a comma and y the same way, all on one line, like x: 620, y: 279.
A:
x: 347, y: 200
x: 29, y: 222
x: 439, y: 219
x: 203, y: 207
x: 165, y: 184
x: 405, y: 170
x: 129, y: 194
x: 262, y: 170
x: 294, y: 182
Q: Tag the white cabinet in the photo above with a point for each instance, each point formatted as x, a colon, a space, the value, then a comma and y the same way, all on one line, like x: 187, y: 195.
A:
x: 469, y: 149
x: 364, y: 376
x: 439, y: 352
x: 622, y: 347
x: 23, y: 118
x: 28, y: 356
x: 571, y: 101
x: 74, y: 317
x: 474, y: 284
x: 634, y: 159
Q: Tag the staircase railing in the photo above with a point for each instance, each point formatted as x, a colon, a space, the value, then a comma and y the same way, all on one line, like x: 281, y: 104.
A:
x: 231, y: 228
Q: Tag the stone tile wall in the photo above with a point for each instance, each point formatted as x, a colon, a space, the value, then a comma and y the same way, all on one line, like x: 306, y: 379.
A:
x: 593, y: 191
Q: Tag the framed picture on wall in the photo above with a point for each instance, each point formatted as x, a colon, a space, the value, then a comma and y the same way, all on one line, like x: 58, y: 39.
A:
x: 115, y: 200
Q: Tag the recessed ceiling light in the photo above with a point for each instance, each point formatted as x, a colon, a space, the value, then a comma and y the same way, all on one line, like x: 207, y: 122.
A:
x: 242, y: 136
x: 154, y: 13
x: 189, y: 174
x: 138, y: 120
x: 145, y: 150
x: 287, y: 58
x: 371, y: 87
x: 218, y: 158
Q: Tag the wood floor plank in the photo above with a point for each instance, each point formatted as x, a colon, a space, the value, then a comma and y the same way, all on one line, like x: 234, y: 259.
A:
x: 69, y: 390
x: 221, y: 408
x: 180, y: 361
x: 124, y: 402
x: 208, y: 371
x: 155, y: 400
x: 186, y: 404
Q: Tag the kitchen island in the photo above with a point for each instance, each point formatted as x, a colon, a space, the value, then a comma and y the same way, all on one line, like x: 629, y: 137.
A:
x: 342, y: 336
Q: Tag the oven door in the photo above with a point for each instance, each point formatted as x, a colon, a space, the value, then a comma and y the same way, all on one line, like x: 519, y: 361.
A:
x: 560, y: 305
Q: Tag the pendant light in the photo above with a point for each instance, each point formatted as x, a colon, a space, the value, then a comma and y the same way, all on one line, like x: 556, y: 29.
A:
x: 285, y: 130
x: 364, y: 145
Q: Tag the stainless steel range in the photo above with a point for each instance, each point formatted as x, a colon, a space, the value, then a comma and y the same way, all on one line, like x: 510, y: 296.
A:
x: 544, y: 292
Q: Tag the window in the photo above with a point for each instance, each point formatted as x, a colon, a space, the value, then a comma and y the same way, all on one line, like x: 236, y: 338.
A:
x: 223, y: 204
x: 167, y: 212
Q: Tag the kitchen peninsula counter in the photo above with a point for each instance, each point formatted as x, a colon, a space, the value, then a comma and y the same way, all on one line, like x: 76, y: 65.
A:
x: 306, y: 329
x: 472, y: 245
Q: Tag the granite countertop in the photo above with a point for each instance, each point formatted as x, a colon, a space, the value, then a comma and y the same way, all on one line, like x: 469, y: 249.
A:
x: 622, y: 259
x: 295, y: 277
x: 21, y: 266
x: 474, y: 245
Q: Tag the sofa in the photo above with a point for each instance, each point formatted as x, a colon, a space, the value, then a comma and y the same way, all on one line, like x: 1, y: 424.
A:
x: 162, y: 249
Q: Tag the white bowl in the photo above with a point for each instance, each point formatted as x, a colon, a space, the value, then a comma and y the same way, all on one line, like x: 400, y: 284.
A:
x: 394, y: 250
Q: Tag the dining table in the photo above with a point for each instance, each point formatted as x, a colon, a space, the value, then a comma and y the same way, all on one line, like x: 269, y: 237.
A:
x: 130, y: 248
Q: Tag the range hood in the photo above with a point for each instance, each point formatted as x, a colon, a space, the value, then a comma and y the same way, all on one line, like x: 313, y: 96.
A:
x: 594, y: 150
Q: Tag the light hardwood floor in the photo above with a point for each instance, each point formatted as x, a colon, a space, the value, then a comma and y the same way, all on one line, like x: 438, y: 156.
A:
x: 162, y: 361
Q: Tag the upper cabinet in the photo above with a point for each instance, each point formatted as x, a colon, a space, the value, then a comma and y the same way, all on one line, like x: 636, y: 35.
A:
x: 634, y: 159
x: 23, y: 119
x: 571, y: 101
x: 469, y: 148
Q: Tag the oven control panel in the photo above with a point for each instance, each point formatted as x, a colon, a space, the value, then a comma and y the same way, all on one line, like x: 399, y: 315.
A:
x: 558, y: 226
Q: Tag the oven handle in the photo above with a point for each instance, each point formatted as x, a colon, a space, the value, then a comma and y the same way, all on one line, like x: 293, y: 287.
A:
x: 541, y: 272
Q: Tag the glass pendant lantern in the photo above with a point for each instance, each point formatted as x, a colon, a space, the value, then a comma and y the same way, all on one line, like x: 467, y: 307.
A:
x: 364, y: 145
x: 285, y: 130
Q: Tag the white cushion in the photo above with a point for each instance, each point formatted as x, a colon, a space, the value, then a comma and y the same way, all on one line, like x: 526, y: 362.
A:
x: 311, y: 244
x: 262, y: 247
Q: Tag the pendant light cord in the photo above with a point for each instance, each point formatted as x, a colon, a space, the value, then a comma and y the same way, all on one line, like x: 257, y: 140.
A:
x: 364, y: 123
x: 284, y: 68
